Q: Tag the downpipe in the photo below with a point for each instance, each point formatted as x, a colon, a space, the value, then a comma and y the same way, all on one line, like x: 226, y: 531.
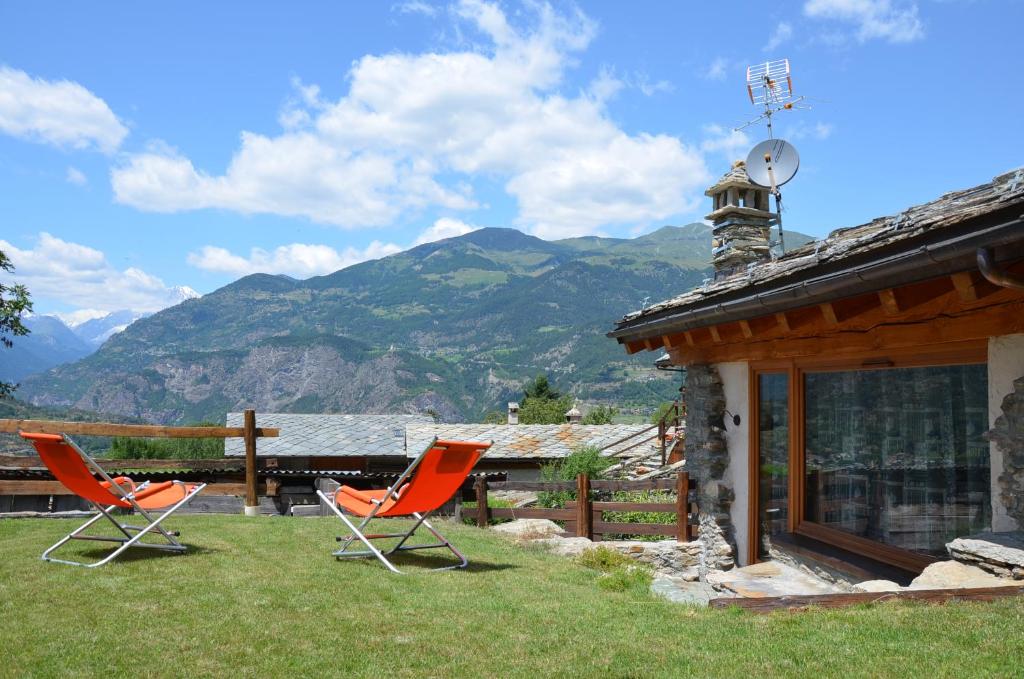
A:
x: 988, y: 268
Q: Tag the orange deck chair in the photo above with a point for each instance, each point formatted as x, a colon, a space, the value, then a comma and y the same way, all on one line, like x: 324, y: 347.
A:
x: 70, y: 465
x: 430, y: 481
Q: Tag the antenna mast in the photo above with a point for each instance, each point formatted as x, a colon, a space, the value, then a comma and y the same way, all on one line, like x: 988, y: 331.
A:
x: 774, y: 162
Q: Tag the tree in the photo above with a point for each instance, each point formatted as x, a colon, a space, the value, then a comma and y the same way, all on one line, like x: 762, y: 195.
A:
x: 541, y: 404
x: 540, y: 388
x: 14, y: 301
x: 535, y: 410
x: 600, y: 415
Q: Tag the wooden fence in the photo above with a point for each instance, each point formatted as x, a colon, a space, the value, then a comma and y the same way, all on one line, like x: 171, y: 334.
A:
x: 585, y: 516
x: 249, y: 431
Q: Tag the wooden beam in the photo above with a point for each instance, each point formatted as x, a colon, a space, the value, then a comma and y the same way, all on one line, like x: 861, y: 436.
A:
x: 649, y: 343
x: 746, y: 330
x: 803, y: 602
x: 973, y: 325
x: 689, y: 338
x: 715, y: 337
x: 782, y: 321
x: 666, y: 341
x: 890, y: 304
x: 853, y: 307
x: 138, y: 430
x: 634, y: 347
x: 829, y: 313
x: 33, y: 462
x: 251, y: 496
x: 964, y: 284
x: 22, y: 487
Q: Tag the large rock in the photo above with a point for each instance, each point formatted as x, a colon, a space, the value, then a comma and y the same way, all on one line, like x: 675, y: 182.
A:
x: 877, y: 586
x: 956, y: 575
x: 1001, y: 554
x: 529, y: 529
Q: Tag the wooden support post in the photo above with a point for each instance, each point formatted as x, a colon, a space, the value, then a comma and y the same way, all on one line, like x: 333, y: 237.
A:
x: 584, y: 518
x: 482, y: 518
x: 682, y: 507
x: 251, y: 500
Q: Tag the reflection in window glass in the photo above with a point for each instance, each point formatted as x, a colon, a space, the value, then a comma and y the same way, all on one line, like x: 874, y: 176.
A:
x: 897, y: 455
x: 773, y: 451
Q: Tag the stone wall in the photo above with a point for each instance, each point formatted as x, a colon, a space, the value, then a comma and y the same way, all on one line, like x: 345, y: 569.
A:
x: 1008, y: 434
x: 707, y: 457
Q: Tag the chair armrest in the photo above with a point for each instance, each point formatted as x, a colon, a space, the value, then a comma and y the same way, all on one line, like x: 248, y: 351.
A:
x: 120, y: 481
x: 359, y: 495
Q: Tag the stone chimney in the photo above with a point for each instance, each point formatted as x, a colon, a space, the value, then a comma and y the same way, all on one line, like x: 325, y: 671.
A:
x: 573, y: 415
x: 513, y: 412
x: 741, y: 222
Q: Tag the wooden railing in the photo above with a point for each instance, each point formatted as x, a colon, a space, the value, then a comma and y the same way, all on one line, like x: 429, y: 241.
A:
x: 584, y: 517
x: 672, y: 418
x: 249, y: 431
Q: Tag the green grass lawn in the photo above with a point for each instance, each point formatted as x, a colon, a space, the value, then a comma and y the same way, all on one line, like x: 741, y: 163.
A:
x: 263, y: 597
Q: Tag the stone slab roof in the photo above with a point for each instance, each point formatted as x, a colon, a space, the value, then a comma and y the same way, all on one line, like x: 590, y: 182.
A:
x: 527, y: 441
x: 327, y: 435
x: 1003, y: 192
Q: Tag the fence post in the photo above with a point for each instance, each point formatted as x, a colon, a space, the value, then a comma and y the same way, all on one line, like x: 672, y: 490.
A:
x: 661, y: 437
x: 481, y: 502
x: 252, y: 502
x: 682, y: 507
x: 584, y: 524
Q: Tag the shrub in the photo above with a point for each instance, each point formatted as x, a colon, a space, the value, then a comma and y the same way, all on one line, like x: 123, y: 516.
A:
x: 583, y: 460
x: 604, y: 559
x: 663, y: 518
x: 126, y: 448
x: 600, y: 415
x: 635, y: 579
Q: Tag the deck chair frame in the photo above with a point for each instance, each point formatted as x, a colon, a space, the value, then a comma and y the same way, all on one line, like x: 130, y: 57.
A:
x: 126, y: 540
x: 356, y: 531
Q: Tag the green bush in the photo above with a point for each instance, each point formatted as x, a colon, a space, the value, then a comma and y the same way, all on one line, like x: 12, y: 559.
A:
x: 635, y: 579
x: 583, y: 460
x: 604, y: 559
x: 600, y: 415
x: 663, y: 518
x: 469, y: 510
x: 126, y: 448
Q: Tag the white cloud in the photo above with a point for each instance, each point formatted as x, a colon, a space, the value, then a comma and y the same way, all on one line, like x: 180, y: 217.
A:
x: 76, y: 176
x: 717, y: 69
x: 79, y: 316
x: 444, y: 228
x: 782, y: 33
x: 415, y: 7
x: 414, y: 130
x: 56, y: 112
x: 302, y: 260
x: 881, y: 19
x: 297, y: 259
x: 80, y: 276
x: 733, y: 144
x: 819, y: 130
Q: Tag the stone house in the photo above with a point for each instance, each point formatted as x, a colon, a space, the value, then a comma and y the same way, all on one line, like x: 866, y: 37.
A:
x: 859, y: 399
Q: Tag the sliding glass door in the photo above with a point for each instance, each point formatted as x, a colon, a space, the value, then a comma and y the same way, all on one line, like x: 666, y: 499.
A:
x: 877, y: 455
x: 897, y: 455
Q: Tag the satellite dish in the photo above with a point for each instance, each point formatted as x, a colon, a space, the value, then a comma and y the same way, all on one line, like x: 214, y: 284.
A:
x: 772, y: 163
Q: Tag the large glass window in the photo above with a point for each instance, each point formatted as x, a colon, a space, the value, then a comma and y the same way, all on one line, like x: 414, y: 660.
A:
x: 773, y: 452
x: 896, y: 455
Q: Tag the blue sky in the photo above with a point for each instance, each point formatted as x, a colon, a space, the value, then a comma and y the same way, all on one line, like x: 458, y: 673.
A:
x: 145, y: 147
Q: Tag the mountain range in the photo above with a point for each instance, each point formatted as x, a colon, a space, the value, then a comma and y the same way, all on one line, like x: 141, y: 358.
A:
x: 453, y: 327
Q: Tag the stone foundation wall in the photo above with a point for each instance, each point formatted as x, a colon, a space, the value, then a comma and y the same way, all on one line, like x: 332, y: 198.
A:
x: 707, y: 457
x: 1008, y: 434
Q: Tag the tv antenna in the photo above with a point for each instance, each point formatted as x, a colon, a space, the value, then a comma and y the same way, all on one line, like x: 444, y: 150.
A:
x: 773, y: 162
x: 771, y: 85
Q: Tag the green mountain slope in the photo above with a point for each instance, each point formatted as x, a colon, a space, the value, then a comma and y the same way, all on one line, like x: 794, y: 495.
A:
x: 454, y: 327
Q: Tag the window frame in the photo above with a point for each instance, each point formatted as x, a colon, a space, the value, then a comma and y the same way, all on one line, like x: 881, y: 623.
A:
x: 959, y: 353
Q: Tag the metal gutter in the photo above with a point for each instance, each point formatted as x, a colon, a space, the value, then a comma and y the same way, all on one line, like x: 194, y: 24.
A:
x: 987, y: 266
x: 942, y: 257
